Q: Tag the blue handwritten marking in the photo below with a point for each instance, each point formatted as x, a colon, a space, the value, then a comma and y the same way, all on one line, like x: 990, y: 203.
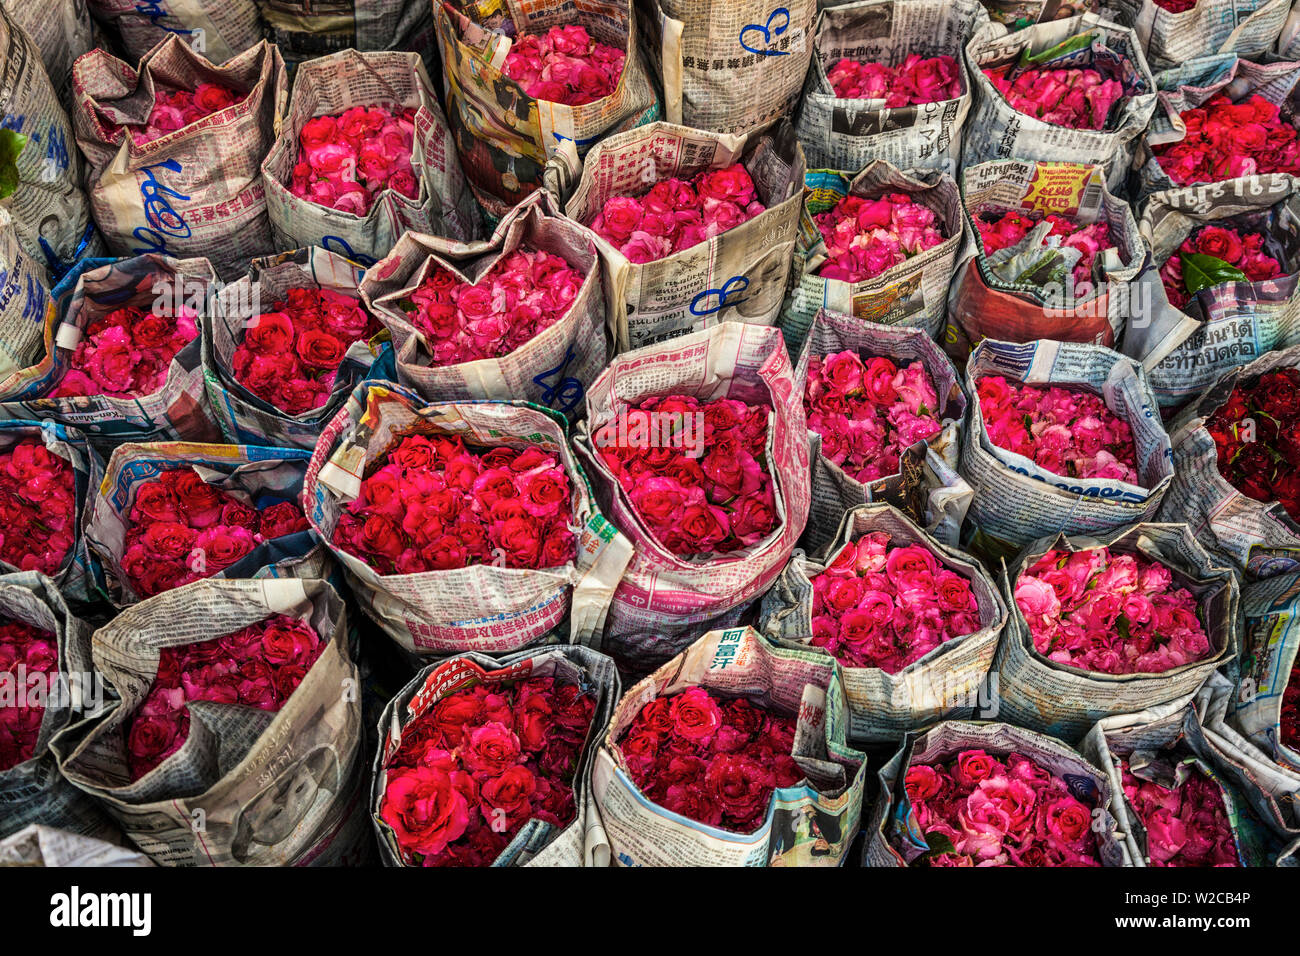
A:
x: 768, y: 32
x: 733, y: 286
x: 568, y: 391
x: 344, y: 249
x: 163, y: 219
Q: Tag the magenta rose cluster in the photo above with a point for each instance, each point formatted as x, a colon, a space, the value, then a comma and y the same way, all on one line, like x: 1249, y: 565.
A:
x: 869, y: 412
x: 865, y: 237
x: 564, y: 65
x: 346, y: 161
x: 1076, y: 98
x: 126, y: 353
x: 174, y: 109
x: 676, y: 214
x: 918, y: 79
x: 257, y: 666
x: 979, y: 810
x: 38, y: 507
x: 886, y: 605
x: 713, y: 759
x: 1186, y: 825
x: 1110, y: 613
x: 37, y: 653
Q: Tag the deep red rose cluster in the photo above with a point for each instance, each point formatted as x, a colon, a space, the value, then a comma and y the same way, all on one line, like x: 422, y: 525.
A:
x: 1001, y: 229
x: 1243, y: 252
x: 1256, y: 436
x: 126, y: 353
x: 38, y: 507
x: 175, y: 109
x: 886, y: 605
x: 182, y: 529
x: 1176, y: 6
x: 1185, y: 825
x: 564, y: 65
x: 290, y: 356
x: 432, y: 504
x: 1290, y: 716
x: 919, y: 79
x: 714, y: 760
x: 522, y: 295
x: 979, y: 810
x: 676, y: 215
x: 696, y: 472
x: 37, y: 653
x: 346, y: 161
x: 257, y: 666
x: 1226, y: 139
x: 482, y: 763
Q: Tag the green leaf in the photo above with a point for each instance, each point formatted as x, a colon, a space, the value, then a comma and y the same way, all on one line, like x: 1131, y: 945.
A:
x: 1075, y: 43
x: 1121, y: 625
x: 1201, y: 272
x: 11, y: 144
x: 939, y: 845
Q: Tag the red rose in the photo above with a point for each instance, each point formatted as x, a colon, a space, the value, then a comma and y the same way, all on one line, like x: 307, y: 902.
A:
x: 424, y: 809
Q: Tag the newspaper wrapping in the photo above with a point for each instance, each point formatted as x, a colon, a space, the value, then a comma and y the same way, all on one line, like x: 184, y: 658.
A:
x: 482, y: 607
x: 1245, y: 27
x: 197, y: 191
x: 49, y: 206
x: 33, y: 791
x: 1256, y: 536
x: 997, y: 131
x: 73, y: 578
x: 538, y: 843
x: 948, y: 682
x: 246, y: 418
x: 938, y: 505
x: 912, y: 293
x: 729, y: 68
x: 893, y: 833
x: 810, y: 824
x: 738, y: 276
x: 1270, y: 641
x: 336, y: 83
x: 1231, y: 323
x: 503, y: 135
x: 1164, y: 743
x: 258, y: 477
x: 304, y: 29
x: 996, y: 297
x: 37, y: 845
x: 25, y: 304
x: 61, y: 30
x: 665, y: 600
x: 92, y: 289
x: 1018, y: 14
x: 1271, y: 789
x: 1065, y: 701
x: 219, y: 29
x: 850, y: 133
x: 248, y: 786
x: 1288, y: 46
x: 1016, y: 501
x: 1193, y: 83
x: 552, y: 369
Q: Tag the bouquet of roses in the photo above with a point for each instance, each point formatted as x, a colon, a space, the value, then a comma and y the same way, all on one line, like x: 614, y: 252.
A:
x: 1068, y: 432
x: 865, y: 237
x: 290, y: 356
x: 676, y: 214
x: 522, y: 295
x: 1226, y: 139
x: 1212, y: 255
x: 1186, y: 824
x: 433, y: 503
x: 1256, y: 436
x: 886, y: 605
x: 175, y: 109
x: 707, y: 489
x: 868, y: 413
x: 1110, y: 613
x: 712, y: 759
x: 564, y: 65
x: 480, y: 763
x: 977, y: 809
x: 346, y: 160
x: 28, y: 655
x: 38, y: 507
x: 258, y: 666
x: 1289, y: 720
x: 1077, y: 98
x: 1175, y: 6
x: 126, y: 353
x: 1004, y: 229
x: 918, y: 79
